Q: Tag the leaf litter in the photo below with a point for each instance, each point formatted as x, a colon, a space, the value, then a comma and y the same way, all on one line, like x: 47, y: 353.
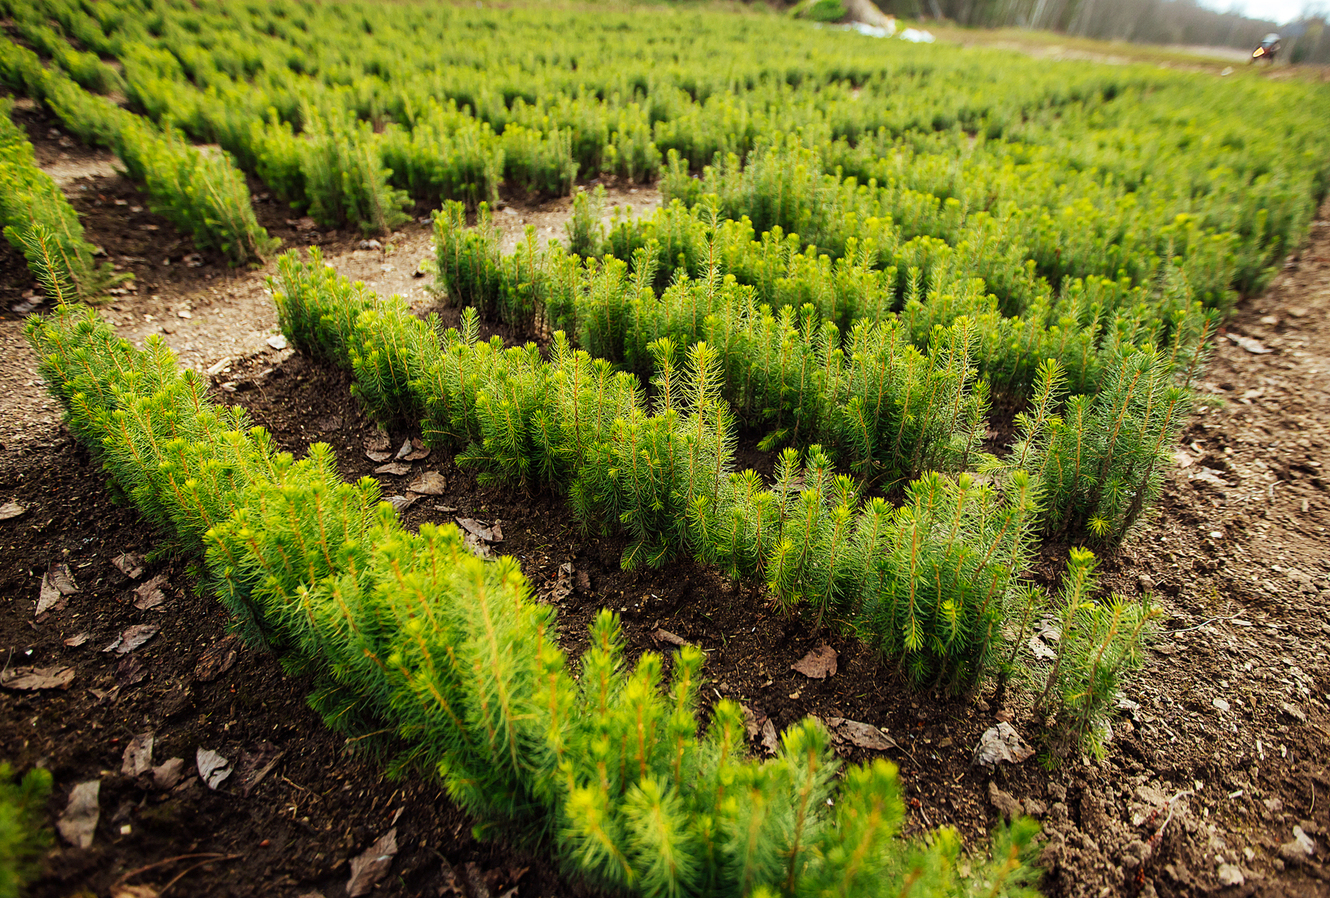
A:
x: 213, y: 768
x: 137, y: 758
x: 132, y: 638
x: 78, y: 823
x: 370, y: 867
x: 32, y: 679
x: 57, y: 586
x: 818, y: 664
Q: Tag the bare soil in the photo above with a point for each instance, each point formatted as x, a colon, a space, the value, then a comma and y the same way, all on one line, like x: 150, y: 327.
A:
x: 1221, y: 749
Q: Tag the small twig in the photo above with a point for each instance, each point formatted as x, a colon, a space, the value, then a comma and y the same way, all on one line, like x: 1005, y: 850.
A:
x: 8, y: 658
x: 301, y: 788
x: 183, y: 873
x: 1159, y: 833
x: 162, y: 863
x: 1203, y: 623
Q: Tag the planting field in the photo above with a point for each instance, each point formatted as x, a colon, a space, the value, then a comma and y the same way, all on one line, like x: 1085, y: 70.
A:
x: 765, y: 438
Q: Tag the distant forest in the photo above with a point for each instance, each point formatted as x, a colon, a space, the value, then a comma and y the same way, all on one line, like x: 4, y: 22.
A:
x: 1138, y: 21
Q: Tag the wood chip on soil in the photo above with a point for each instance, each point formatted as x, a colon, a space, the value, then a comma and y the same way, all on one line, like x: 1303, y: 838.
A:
x: 217, y: 659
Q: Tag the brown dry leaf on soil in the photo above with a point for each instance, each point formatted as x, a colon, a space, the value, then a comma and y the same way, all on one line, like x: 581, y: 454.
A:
x: 818, y: 664
x: 1001, y: 743
x: 859, y: 734
x: 378, y: 448
x: 418, y: 450
x: 57, y: 585
x: 29, y: 679
x: 79, y: 821
x: 396, y: 469
x: 132, y: 638
x: 11, y: 510
x: 492, y: 534
x: 213, y: 768
x: 369, y: 868
x: 138, y: 755
x: 431, y: 483
x: 758, y: 724
x: 151, y: 596
x: 168, y: 774
x: 129, y: 565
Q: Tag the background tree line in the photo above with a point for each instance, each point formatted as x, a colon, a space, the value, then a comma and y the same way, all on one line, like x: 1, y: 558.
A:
x: 1138, y: 21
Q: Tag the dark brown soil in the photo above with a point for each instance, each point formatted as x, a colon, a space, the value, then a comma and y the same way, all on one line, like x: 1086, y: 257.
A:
x: 1230, y: 713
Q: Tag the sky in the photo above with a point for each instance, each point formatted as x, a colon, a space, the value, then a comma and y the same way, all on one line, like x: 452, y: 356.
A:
x: 1274, y: 10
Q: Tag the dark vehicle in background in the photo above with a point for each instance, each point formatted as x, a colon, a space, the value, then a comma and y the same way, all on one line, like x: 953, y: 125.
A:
x: 1268, y: 49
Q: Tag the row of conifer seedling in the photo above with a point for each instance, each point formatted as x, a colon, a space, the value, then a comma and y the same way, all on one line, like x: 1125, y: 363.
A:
x: 934, y: 582
x: 603, y: 761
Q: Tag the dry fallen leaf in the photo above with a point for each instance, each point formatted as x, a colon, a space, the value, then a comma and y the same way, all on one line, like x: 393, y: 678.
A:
x: 405, y: 450
x: 78, y: 823
x: 132, y: 638
x: 130, y: 671
x: 370, y: 867
x: 378, y: 448
x: 213, y: 768
x: 563, y: 583
x: 11, y: 510
x: 477, y: 546
x: 217, y: 658
x: 401, y: 503
x: 29, y: 679
x: 431, y: 483
x: 1001, y: 743
x: 138, y: 755
x: 397, y: 469
x: 152, y: 594
x: 859, y: 734
x: 818, y: 664
x: 167, y: 775
x: 129, y: 565
x: 488, y: 534
x: 57, y: 584
x: 757, y: 724
x: 418, y: 450
x: 78, y: 639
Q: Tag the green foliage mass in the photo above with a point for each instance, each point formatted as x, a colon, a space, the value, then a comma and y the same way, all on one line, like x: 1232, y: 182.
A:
x: 39, y: 222
x: 22, y: 807
x: 928, y: 582
x: 454, y: 654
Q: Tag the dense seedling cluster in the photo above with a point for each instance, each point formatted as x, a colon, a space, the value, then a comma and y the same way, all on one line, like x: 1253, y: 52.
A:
x: 412, y: 629
x: 39, y: 222
x: 22, y: 839
x: 1075, y: 169
x: 928, y: 581
x: 201, y: 192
